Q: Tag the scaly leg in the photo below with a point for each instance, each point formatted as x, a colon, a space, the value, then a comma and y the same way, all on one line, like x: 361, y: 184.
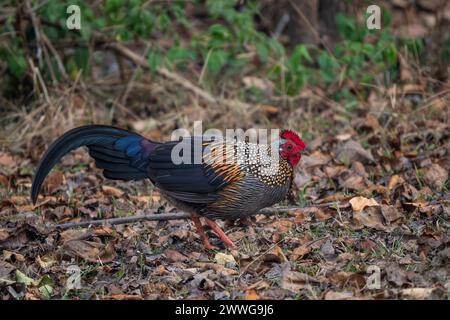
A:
x: 201, y: 233
x: 217, y: 230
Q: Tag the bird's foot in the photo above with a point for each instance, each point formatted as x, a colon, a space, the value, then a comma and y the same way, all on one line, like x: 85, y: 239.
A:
x: 202, y: 234
x: 219, y: 232
x: 215, y: 228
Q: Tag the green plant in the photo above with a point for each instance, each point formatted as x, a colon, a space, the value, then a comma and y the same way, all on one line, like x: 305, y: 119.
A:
x: 229, y: 46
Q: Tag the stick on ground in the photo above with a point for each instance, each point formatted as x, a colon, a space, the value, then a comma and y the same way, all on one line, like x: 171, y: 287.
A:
x: 170, y: 216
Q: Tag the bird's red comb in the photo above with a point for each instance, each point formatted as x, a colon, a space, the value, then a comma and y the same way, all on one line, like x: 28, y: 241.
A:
x: 293, y: 136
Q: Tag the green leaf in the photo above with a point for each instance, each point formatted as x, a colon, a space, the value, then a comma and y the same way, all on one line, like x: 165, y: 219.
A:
x: 217, y: 59
x: 81, y: 58
x: 277, y: 46
x: 6, y: 282
x: 179, y: 54
x: 17, y: 64
x: 163, y: 21
x: 300, y: 52
x: 46, y: 291
x: 263, y: 51
x: 154, y: 60
x: 390, y: 54
x: 22, y: 278
x: 46, y: 279
x: 220, y: 35
x: 218, y: 7
x: 113, y: 5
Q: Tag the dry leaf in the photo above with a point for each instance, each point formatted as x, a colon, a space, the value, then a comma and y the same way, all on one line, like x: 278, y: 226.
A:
x: 129, y: 232
x: 4, y: 181
x: 343, y: 136
x: 367, y: 245
x: 72, y: 234
x: 327, y: 249
x: 90, y: 251
x: 333, y: 295
x: 224, y: 259
x: 146, y: 200
x: 418, y: 293
x: 46, y: 261
x: 301, y: 179
x: 13, y: 256
x: 353, y: 151
x: 3, y: 234
x: 371, y: 217
x: 359, y: 168
x: 103, y: 231
x: 252, y: 295
x: 7, y: 160
x: 112, y: 191
x: 295, y: 281
x: 123, y: 297
x: 412, y: 88
x: 53, y: 181
x: 323, y: 214
x: 175, y: 256
x: 301, y: 216
x: 317, y: 158
x: 268, y: 108
x: 436, y: 176
x: 354, y: 182
x: 262, y: 84
x: 18, y: 200
x: 216, y: 267
x: 343, y: 278
x: 236, y: 235
x: 62, y: 212
x: 282, y: 225
x: 25, y: 208
x: 372, y: 122
x: 359, y: 203
x: 390, y: 213
x: 275, y: 255
x: 394, y: 181
x: 395, y: 275
x: 299, y: 252
x: 5, y: 269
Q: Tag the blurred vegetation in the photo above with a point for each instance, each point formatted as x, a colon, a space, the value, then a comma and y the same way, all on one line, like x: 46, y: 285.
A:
x: 229, y: 45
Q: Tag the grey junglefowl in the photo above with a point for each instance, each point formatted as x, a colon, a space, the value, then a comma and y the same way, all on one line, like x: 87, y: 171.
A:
x: 214, y: 187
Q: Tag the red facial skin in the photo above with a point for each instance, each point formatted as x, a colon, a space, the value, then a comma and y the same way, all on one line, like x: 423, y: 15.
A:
x: 292, y: 149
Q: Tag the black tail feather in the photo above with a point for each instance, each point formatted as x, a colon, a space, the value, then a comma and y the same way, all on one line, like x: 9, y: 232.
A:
x: 101, y: 141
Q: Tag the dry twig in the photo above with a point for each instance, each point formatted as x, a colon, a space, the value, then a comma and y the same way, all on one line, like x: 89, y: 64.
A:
x: 172, y: 216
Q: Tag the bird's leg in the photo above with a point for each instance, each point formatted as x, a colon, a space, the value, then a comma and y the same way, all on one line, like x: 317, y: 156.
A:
x: 201, y: 233
x: 217, y: 230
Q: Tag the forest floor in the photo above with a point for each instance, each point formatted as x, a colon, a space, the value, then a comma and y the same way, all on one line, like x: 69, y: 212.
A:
x: 375, y: 197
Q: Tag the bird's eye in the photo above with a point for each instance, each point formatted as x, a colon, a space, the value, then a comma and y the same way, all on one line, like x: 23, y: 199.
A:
x: 289, y: 147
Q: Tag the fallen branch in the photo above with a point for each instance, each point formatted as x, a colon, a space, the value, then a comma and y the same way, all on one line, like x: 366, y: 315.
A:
x: 171, y: 216
x: 124, y: 220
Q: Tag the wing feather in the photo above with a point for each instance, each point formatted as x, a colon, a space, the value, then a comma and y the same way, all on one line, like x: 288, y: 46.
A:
x: 191, y: 182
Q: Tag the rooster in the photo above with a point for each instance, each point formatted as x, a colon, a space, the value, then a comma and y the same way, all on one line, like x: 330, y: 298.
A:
x: 231, y: 180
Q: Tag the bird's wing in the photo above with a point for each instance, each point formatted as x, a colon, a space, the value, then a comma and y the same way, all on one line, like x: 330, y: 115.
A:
x: 199, y: 178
